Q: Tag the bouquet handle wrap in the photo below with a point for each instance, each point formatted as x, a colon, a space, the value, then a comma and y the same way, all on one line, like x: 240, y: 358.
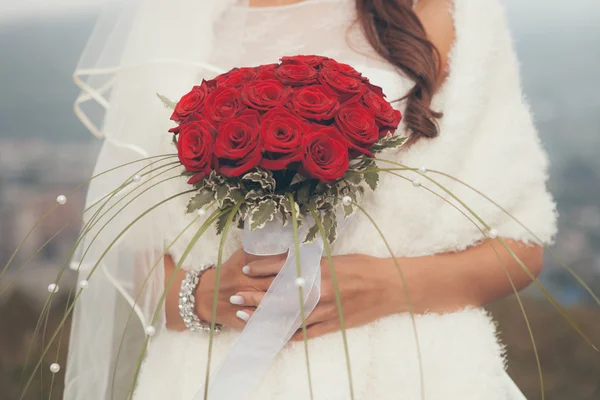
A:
x: 278, y: 316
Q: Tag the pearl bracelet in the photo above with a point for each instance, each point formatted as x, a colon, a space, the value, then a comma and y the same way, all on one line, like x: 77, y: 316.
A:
x: 187, y: 301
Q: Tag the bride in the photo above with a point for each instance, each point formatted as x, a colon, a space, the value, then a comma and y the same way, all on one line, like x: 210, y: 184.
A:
x: 452, y: 66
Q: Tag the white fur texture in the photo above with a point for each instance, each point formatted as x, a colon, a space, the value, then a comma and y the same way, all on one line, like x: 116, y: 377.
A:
x: 488, y: 140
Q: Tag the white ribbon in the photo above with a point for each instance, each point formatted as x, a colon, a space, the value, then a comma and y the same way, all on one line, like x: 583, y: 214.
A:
x: 278, y: 316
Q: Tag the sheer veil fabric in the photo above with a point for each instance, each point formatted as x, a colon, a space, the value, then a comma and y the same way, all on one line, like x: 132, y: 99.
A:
x: 138, y: 48
x: 144, y: 47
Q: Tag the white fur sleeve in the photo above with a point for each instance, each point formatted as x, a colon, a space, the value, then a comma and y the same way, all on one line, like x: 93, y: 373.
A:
x: 487, y: 139
x: 506, y: 160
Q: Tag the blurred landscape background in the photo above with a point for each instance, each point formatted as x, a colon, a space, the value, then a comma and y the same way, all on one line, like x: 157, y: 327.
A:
x: 44, y: 151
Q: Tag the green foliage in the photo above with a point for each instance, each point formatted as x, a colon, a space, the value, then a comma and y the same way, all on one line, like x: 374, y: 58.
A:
x: 264, y: 212
x: 263, y: 200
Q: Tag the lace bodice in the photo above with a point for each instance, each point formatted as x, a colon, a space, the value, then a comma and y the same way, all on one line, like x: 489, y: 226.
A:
x: 250, y: 36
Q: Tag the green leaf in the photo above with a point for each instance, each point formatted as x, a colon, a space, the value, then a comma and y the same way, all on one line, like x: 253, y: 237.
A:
x: 348, y: 210
x: 304, y: 193
x: 330, y: 226
x: 263, y: 178
x: 389, y: 142
x: 311, y: 236
x: 285, y: 205
x: 221, y: 222
x: 240, y: 223
x: 200, y: 200
x: 221, y: 192
x: 262, y: 213
x: 243, y: 211
x: 354, y: 179
x: 167, y: 102
x: 254, y: 195
x: 297, y: 179
x: 236, y: 195
x: 372, y: 179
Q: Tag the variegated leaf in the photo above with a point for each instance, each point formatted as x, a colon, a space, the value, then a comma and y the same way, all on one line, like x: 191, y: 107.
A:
x: 200, y: 200
x: 262, y: 213
x: 353, y: 179
x: 348, y: 210
x: 311, y: 236
x: 221, y: 222
x: 221, y: 193
x: 372, y: 179
x: 389, y: 142
x: 262, y: 177
x: 330, y: 226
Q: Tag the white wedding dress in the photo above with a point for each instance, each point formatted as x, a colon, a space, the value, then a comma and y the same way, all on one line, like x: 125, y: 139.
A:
x: 486, y: 139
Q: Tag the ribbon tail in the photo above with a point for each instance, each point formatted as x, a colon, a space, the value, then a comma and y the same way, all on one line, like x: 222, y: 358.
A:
x: 270, y: 328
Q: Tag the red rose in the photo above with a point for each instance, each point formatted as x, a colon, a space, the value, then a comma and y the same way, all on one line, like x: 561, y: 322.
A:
x: 237, y: 146
x: 223, y: 104
x: 357, y: 124
x: 266, y: 71
x: 236, y: 78
x: 190, y: 103
x: 324, y: 156
x: 314, y: 102
x: 347, y: 87
x: 313, y: 61
x: 386, y: 116
x: 265, y: 94
x: 375, y: 89
x: 296, y: 74
x: 341, y: 68
x: 281, y: 133
x: 195, y: 146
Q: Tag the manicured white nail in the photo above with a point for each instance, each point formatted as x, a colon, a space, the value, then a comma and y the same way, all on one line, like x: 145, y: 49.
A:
x: 246, y: 270
x: 244, y: 316
x: 237, y: 300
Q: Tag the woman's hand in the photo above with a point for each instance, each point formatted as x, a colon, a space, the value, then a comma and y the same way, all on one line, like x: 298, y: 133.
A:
x: 233, y: 281
x: 365, y: 287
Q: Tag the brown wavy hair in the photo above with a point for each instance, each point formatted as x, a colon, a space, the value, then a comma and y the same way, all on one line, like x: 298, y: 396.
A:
x: 396, y: 33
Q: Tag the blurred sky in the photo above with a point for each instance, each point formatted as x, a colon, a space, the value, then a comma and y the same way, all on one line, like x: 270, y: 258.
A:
x: 558, y: 13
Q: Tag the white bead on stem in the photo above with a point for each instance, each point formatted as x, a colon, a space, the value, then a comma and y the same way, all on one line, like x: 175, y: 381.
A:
x: 150, y: 330
x: 346, y: 200
x: 53, y: 288
x: 300, y: 282
x: 54, y: 368
x: 62, y: 199
x: 137, y: 178
x: 416, y: 182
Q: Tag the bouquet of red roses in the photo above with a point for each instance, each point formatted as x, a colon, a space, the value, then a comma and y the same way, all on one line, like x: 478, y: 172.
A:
x: 307, y: 126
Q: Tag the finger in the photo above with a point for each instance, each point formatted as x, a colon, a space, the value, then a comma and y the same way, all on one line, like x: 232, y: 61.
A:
x: 265, y: 266
x: 247, y: 299
x: 244, y: 315
x: 316, y: 330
